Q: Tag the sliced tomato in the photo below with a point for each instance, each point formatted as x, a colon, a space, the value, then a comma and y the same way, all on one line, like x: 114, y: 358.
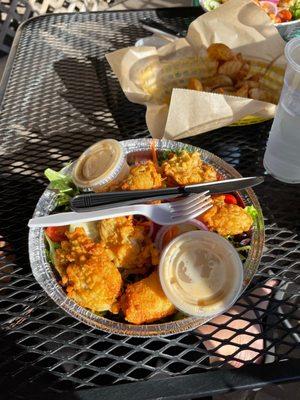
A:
x: 230, y: 199
x: 56, y: 233
x: 285, y: 15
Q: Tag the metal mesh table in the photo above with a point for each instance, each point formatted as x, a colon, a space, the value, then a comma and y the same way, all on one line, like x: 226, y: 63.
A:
x: 58, y: 96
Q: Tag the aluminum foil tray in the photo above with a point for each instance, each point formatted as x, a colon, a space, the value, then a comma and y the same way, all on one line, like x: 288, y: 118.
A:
x: 45, y: 275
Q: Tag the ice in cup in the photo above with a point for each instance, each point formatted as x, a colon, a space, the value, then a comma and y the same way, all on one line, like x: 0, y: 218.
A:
x: 282, y: 154
x: 101, y: 167
x: 201, y: 273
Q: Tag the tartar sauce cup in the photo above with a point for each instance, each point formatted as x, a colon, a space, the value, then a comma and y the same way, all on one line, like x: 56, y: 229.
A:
x: 201, y: 273
x: 101, y: 166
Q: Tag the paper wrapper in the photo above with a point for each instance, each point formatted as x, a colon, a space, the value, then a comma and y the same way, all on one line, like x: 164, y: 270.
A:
x: 157, y: 78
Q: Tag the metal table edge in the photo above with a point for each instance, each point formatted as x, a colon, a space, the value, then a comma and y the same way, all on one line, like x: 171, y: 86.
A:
x: 191, y: 386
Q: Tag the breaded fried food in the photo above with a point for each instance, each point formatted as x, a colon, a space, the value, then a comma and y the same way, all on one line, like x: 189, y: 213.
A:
x: 217, y: 81
x: 230, y: 68
x: 235, y: 76
x: 145, y: 301
x: 143, y: 176
x: 129, y: 242
x: 195, y: 84
x: 227, y: 219
x: 187, y: 168
x: 263, y: 95
x: 220, y: 52
x: 91, y: 278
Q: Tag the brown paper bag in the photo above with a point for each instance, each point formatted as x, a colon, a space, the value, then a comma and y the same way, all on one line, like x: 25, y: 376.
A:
x: 158, y: 78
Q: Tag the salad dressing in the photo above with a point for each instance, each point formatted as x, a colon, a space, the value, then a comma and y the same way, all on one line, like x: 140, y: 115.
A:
x: 201, y: 273
x: 101, y: 165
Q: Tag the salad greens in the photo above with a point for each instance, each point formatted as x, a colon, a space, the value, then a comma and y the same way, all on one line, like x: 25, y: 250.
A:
x: 50, y: 252
x: 242, y: 249
x: 278, y: 11
x: 63, y: 185
x: 252, y: 211
x: 242, y: 243
x: 295, y: 9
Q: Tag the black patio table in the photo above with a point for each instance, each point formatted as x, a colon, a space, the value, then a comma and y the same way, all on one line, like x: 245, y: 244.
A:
x: 58, y: 96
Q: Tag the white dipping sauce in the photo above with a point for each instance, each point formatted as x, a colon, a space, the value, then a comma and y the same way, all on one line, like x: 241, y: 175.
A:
x: 201, y: 273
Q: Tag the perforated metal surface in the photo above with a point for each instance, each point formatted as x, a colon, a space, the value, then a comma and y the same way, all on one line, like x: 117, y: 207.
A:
x: 13, y: 12
x: 61, y: 97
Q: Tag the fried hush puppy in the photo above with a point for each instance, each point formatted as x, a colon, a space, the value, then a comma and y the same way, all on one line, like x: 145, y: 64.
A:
x: 145, y: 301
x: 143, y: 177
x: 187, y: 168
x: 90, y: 277
x: 227, y: 219
x: 129, y: 242
x: 233, y: 76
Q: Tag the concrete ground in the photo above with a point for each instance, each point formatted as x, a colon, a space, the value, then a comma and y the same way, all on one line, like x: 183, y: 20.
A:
x: 272, y: 392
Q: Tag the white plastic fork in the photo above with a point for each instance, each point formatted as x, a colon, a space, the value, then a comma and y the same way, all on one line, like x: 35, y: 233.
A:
x: 163, y: 214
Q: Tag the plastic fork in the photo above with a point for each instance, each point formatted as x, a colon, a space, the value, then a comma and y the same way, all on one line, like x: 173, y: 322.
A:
x: 163, y: 214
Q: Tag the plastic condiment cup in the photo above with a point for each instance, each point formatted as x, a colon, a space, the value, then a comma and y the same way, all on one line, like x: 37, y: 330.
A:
x: 101, y: 166
x: 201, y: 273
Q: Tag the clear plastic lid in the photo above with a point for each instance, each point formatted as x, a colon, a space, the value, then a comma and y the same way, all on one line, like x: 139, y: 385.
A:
x: 292, y: 53
x: 201, y: 273
x: 101, y: 165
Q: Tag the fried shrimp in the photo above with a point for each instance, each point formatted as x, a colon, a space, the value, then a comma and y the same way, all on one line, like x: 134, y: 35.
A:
x: 145, y: 301
x: 91, y: 278
x: 143, y: 176
x: 227, y: 219
x: 187, y: 168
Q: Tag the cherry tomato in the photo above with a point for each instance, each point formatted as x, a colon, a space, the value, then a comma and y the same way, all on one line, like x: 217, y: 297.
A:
x: 285, y: 15
x: 56, y: 233
x: 230, y: 199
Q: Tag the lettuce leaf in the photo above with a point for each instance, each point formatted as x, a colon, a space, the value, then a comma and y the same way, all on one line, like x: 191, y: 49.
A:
x: 295, y: 9
x: 252, y: 211
x: 50, y: 252
x: 63, y: 185
x: 242, y: 250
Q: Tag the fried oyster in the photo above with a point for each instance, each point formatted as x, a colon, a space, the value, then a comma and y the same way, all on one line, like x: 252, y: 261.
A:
x: 145, y: 301
x: 143, y: 176
x: 90, y: 277
x: 227, y: 219
x: 128, y: 241
x: 187, y: 168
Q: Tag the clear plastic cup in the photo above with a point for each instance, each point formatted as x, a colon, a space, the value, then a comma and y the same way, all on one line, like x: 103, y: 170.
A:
x: 282, y: 159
